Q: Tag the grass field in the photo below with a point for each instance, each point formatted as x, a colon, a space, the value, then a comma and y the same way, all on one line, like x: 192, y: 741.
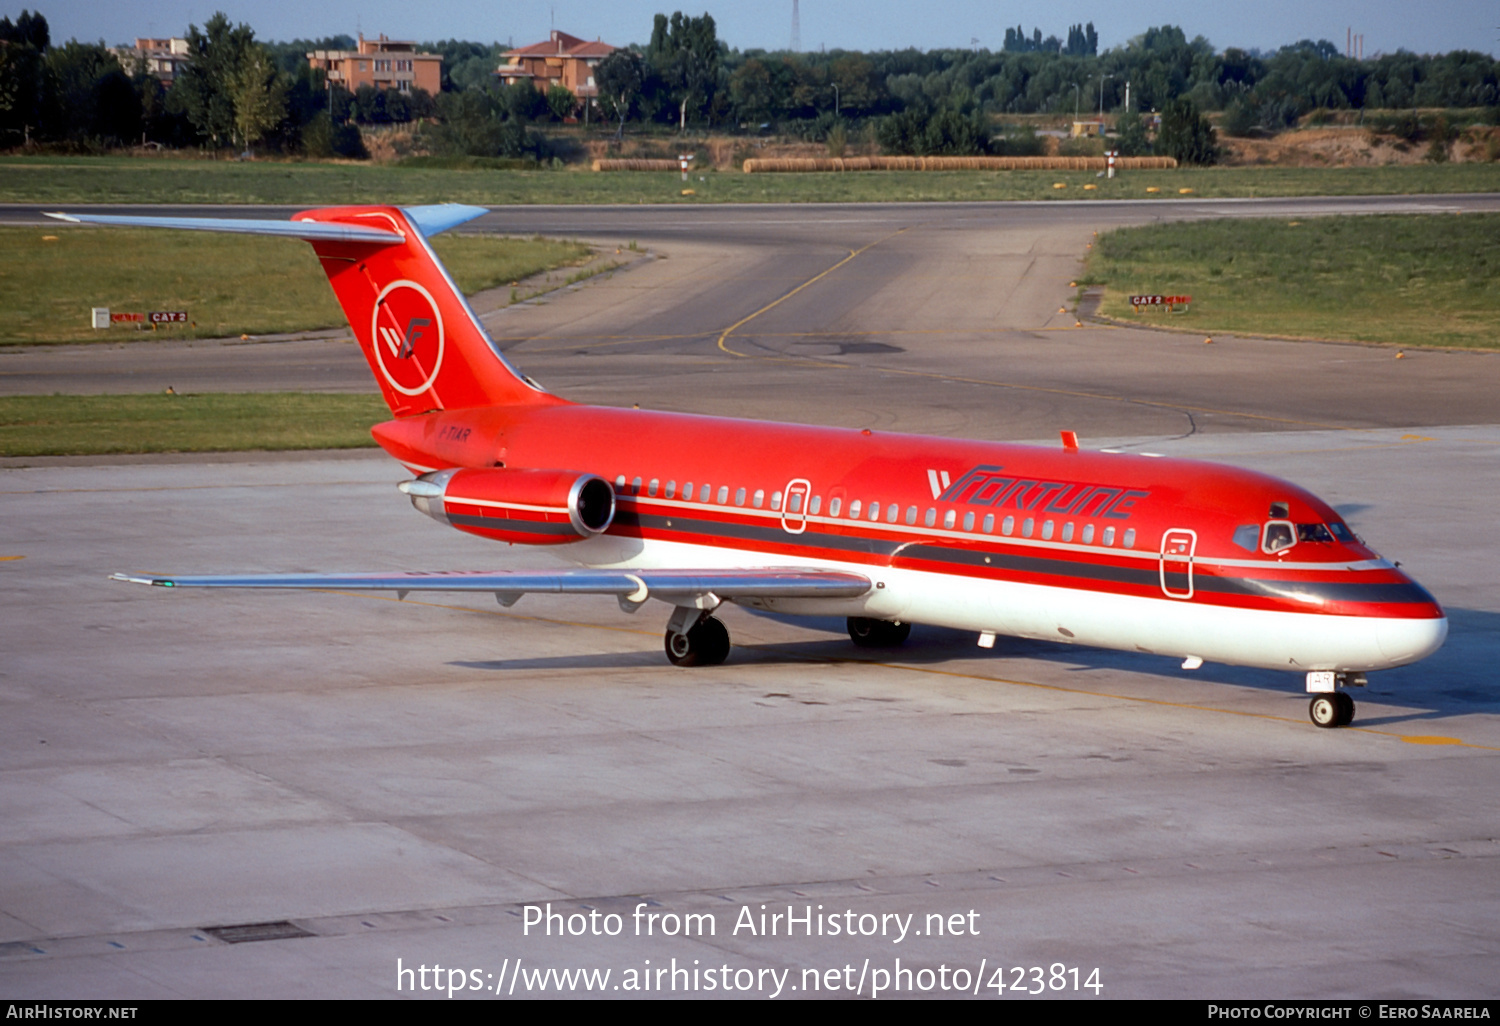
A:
x: 64, y: 180
x: 229, y: 285
x: 1402, y: 279
x: 48, y: 425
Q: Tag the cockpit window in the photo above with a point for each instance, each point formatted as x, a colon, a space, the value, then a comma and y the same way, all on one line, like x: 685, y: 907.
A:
x: 1278, y: 536
x: 1313, y: 533
x: 1247, y: 537
x: 1341, y: 532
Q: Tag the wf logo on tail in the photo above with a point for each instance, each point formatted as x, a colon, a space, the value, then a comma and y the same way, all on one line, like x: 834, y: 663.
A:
x: 400, y: 347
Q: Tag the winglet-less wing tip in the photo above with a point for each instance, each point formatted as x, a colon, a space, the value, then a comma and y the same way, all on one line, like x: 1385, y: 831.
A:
x: 136, y: 579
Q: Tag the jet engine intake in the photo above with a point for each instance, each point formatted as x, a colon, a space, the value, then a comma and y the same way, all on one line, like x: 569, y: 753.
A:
x: 528, y: 507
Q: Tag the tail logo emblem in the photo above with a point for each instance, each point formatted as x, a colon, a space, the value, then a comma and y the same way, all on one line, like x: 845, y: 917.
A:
x: 406, y: 331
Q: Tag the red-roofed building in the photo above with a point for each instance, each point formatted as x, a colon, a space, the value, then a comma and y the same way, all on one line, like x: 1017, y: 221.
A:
x: 562, y: 60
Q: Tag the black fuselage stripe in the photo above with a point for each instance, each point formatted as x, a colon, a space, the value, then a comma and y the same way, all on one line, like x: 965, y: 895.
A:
x: 1148, y: 577
x: 513, y: 526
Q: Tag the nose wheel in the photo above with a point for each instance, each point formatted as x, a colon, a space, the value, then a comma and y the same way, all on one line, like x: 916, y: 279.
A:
x: 706, y: 643
x: 1335, y: 709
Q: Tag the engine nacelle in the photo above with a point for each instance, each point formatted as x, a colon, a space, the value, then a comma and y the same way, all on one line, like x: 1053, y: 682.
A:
x: 528, y: 507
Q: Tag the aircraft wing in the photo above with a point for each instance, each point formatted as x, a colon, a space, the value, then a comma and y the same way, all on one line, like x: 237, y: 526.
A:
x: 631, y: 587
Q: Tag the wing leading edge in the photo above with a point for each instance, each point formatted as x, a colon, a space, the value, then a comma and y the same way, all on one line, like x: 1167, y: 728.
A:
x: 631, y: 587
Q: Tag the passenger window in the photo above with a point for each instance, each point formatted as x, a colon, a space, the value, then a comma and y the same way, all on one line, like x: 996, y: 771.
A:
x: 911, y: 516
x: 620, y: 483
x: 704, y: 492
x: 739, y: 497
x: 1247, y: 537
x: 894, y: 510
x: 635, y: 487
x: 723, y: 495
x: 969, y: 521
x: 930, y: 520
x: 950, y: 518
x: 1088, y: 534
x: 760, y: 498
x: 1026, y: 527
x: 874, y: 512
x: 834, y: 505
x: 794, y: 502
x: 652, y: 488
x: 1008, y: 526
x: 815, y: 505
x: 776, y: 500
x: 687, y: 492
x: 1067, y: 532
x: 854, y: 510
x: 671, y: 489
x: 989, y: 523
x: 1278, y: 536
x: 1109, y: 536
x: 1047, y: 529
x: 1129, y: 541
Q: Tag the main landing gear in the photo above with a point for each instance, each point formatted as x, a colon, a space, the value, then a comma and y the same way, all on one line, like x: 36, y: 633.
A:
x: 1331, y: 707
x: 705, y: 643
x: 868, y: 633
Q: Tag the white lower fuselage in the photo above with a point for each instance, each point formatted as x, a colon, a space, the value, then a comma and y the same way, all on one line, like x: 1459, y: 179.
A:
x: 1179, y: 628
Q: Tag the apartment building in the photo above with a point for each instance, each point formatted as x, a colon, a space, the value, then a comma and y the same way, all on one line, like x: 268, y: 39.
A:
x: 382, y: 63
x: 561, y: 60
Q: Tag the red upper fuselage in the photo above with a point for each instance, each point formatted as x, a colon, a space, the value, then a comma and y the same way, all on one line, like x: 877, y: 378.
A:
x: 1081, y: 520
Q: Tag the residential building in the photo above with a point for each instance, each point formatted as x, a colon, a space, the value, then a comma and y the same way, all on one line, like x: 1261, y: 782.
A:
x: 382, y: 63
x: 163, y: 59
x: 562, y: 60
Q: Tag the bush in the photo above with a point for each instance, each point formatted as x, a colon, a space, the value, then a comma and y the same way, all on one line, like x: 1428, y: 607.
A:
x: 1019, y: 141
x: 944, y: 132
x: 1187, y: 135
x: 1239, y: 119
x: 322, y: 138
x: 1133, y: 140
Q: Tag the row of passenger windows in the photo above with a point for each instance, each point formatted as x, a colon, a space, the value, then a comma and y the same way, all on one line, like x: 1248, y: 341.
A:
x: 875, y: 512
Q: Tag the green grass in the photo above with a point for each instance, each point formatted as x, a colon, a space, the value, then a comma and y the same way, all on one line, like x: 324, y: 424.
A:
x: 64, y: 180
x: 229, y: 285
x: 1409, y: 280
x: 218, y: 422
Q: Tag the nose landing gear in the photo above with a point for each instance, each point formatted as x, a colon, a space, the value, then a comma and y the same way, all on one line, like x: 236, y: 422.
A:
x: 1331, y: 707
x: 1332, y: 710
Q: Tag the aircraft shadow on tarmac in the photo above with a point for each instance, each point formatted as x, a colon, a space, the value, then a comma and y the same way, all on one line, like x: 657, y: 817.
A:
x: 1448, y: 684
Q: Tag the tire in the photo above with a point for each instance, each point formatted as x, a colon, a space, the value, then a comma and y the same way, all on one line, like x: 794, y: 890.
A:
x: 705, y: 644
x: 1324, y: 710
x: 868, y: 633
x: 1346, y: 708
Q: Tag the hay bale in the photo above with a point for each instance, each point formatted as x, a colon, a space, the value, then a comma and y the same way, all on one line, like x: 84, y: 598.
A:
x: 762, y: 165
x: 635, y: 164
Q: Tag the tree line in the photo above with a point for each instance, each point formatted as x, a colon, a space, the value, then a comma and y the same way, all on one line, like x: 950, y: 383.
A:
x: 242, y: 93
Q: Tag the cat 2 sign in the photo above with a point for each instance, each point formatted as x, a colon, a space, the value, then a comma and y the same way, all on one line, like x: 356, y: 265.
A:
x: 1171, y: 303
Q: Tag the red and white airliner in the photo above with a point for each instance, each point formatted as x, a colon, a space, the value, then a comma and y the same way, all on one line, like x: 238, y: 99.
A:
x: 1172, y: 557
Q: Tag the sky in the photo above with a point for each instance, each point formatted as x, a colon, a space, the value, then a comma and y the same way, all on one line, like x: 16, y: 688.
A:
x: 1436, y: 26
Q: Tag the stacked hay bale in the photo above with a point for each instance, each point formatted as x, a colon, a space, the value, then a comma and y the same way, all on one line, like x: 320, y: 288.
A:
x: 805, y: 164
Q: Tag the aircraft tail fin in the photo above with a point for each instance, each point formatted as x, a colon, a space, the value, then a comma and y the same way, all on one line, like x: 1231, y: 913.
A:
x: 422, y: 340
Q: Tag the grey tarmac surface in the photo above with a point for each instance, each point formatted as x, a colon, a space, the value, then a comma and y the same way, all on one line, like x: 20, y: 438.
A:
x: 401, y: 779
